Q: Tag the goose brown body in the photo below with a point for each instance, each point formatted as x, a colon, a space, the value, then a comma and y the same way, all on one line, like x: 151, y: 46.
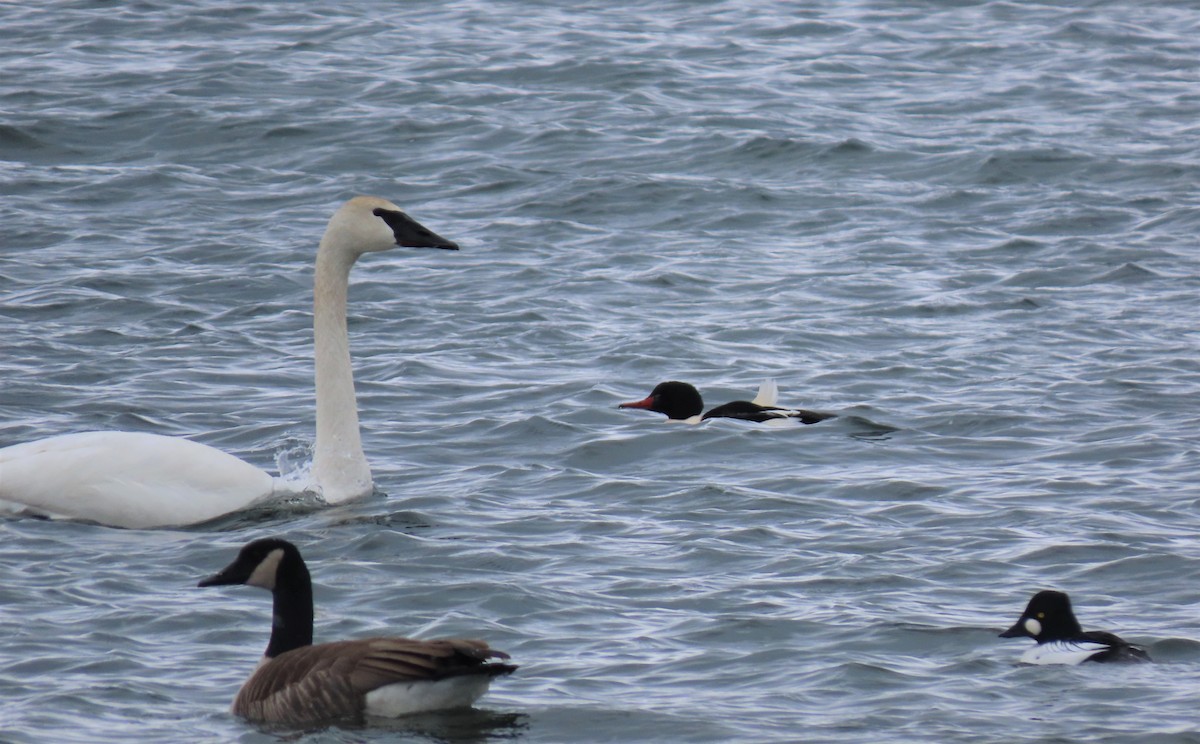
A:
x: 332, y: 680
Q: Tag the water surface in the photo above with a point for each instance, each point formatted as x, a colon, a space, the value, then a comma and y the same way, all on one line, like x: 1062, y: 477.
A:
x: 968, y: 228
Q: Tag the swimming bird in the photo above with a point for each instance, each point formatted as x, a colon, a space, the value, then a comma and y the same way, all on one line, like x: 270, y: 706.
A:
x: 1049, y: 620
x: 297, y: 683
x: 140, y: 480
x: 682, y: 402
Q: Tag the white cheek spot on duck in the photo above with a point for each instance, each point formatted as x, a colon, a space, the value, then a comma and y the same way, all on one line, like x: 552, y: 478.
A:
x: 1033, y: 627
x: 264, y: 573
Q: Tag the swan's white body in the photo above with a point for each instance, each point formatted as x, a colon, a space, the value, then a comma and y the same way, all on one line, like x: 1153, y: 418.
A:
x: 128, y: 479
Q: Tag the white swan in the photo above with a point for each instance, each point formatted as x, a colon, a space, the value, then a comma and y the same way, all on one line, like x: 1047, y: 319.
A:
x: 137, y: 480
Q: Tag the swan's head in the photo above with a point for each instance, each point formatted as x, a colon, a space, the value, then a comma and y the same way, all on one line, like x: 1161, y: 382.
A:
x: 367, y: 224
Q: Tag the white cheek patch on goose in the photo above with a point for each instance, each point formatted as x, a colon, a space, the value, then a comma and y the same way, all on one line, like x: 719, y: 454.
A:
x: 1033, y: 627
x: 264, y: 573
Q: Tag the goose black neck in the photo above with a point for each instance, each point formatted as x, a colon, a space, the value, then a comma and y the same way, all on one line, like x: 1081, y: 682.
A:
x: 292, y: 611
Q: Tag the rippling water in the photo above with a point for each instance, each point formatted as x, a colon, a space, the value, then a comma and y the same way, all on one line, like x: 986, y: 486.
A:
x: 969, y: 228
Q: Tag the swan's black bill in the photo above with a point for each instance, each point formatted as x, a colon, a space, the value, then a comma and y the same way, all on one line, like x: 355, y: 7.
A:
x: 410, y: 233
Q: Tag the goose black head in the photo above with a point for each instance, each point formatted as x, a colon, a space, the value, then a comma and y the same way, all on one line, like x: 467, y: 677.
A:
x: 260, y: 563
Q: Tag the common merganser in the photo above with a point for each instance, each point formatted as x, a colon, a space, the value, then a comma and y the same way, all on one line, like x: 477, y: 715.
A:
x: 682, y: 402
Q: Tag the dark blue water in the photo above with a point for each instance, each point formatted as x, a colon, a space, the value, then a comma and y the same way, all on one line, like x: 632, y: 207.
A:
x: 968, y: 228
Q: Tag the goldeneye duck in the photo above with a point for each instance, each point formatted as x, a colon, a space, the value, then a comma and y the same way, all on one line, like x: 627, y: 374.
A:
x: 1048, y: 619
x: 682, y: 402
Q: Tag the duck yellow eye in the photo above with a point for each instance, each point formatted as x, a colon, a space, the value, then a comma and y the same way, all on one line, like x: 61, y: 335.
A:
x: 1041, y: 616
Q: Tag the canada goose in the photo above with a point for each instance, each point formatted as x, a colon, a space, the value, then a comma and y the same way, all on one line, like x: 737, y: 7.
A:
x: 297, y: 683
x: 681, y: 401
x: 139, y: 480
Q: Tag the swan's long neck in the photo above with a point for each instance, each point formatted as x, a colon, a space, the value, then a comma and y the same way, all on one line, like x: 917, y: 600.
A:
x: 340, y: 468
